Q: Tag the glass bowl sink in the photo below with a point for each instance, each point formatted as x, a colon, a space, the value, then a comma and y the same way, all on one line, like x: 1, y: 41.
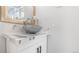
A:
x: 32, y: 29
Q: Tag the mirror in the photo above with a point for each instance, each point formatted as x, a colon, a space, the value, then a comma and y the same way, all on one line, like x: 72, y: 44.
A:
x: 16, y: 14
x: 19, y: 12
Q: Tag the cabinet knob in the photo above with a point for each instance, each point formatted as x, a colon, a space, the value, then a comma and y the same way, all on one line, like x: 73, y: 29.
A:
x: 33, y: 38
x: 19, y: 41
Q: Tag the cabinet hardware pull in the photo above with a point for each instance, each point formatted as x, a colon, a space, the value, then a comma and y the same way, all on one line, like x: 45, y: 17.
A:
x: 39, y: 49
x: 19, y: 41
x: 33, y: 38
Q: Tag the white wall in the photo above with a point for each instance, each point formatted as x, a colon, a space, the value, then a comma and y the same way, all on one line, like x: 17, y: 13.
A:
x: 65, y: 33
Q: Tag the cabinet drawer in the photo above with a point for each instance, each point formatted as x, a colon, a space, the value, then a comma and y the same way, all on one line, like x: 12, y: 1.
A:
x: 27, y: 41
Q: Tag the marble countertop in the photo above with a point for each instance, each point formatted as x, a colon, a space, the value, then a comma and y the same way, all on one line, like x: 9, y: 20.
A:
x: 19, y: 36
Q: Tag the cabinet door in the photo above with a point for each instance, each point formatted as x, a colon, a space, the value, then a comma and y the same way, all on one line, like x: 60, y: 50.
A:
x: 39, y: 47
x: 2, y: 45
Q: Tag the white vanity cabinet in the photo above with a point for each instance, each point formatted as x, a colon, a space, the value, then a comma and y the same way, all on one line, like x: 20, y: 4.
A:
x: 35, y: 44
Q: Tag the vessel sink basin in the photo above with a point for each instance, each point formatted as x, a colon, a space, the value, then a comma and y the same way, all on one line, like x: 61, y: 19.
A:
x: 32, y: 29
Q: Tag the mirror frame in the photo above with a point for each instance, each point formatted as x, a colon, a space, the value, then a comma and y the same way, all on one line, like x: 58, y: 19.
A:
x: 4, y: 15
